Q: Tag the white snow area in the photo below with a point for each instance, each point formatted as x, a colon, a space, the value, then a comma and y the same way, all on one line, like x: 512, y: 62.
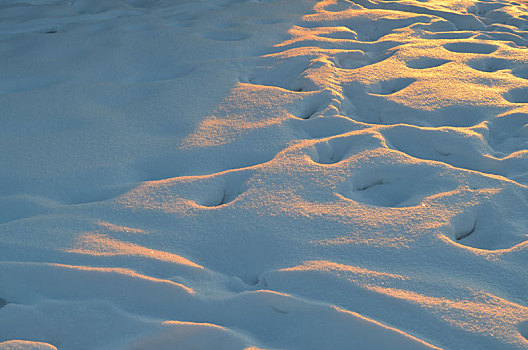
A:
x: 263, y: 174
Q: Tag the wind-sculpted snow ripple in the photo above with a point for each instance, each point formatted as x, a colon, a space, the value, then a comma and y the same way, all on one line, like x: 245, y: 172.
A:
x: 264, y: 174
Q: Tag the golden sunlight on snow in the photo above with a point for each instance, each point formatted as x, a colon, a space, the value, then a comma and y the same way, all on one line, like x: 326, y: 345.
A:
x: 502, y: 316
x: 323, y: 265
x: 283, y: 174
x: 97, y: 244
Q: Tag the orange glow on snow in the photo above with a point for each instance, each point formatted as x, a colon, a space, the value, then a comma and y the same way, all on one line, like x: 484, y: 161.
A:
x: 101, y: 245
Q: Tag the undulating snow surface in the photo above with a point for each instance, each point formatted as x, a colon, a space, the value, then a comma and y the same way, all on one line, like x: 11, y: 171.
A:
x: 279, y: 174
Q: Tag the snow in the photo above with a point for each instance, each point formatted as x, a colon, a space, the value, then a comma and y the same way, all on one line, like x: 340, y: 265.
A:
x: 263, y: 174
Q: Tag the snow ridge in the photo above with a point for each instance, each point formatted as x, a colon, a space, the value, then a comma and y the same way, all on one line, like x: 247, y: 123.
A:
x: 232, y: 174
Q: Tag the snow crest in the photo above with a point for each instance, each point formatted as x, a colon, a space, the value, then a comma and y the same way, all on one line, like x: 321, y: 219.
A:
x: 250, y: 174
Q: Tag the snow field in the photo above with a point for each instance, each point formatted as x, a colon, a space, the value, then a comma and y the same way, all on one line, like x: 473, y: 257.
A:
x: 263, y: 174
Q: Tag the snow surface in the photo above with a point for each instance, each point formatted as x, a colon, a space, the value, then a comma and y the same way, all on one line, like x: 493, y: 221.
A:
x: 273, y: 174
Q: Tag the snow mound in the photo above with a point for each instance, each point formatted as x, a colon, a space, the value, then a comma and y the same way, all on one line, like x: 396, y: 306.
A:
x: 279, y: 174
x: 25, y: 345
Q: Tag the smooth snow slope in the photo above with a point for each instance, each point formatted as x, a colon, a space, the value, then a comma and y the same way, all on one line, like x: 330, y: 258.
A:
x: 279, y: 174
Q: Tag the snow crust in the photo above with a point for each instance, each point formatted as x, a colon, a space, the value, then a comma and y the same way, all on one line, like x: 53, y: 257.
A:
x: 263, y: 174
